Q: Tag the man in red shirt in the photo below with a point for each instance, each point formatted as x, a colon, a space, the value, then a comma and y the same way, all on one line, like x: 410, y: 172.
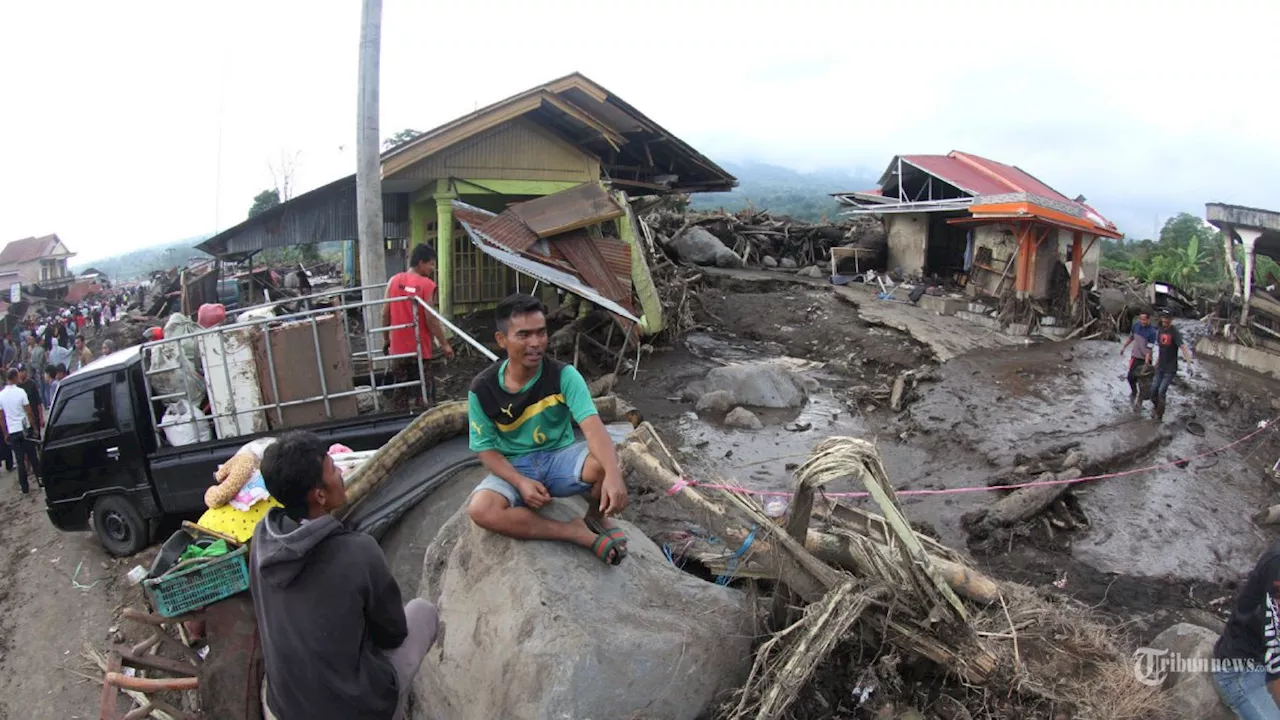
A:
x: 416, y: 282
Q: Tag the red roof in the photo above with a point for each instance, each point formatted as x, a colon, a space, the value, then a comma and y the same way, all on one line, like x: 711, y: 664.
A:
x: 27, y: 249
x: 983, y: 176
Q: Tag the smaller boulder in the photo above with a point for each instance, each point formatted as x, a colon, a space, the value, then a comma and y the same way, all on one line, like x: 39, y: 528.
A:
x: 769, y: 261
x: 743, y: 418
x: 1190, y: 694
x: 813, y: 271
x: 728, y: 259
x: 787, y: 263
x: 717, y: 402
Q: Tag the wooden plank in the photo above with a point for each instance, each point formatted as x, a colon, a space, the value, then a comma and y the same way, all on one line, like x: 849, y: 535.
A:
x: 797, y: 526
x: 586, y: 204
x: 108, y: 708
x: 154, y: 662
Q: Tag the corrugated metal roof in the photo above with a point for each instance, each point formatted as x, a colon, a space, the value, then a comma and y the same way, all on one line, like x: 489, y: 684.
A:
x: 507, y: 230
x: 964, y: 176
x: 326, y: 214
x: 983, y: 176
x: 468, y: 216
x: 584, y: 254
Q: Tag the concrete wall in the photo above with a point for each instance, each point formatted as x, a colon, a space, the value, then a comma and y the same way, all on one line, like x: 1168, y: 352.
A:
x: 1257, y: 360
x: 1092, y: 259
x: 1003, y: 244
x: 908, y: 234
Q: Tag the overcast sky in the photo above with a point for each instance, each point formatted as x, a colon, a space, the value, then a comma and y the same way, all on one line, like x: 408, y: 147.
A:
x: 128, y: 124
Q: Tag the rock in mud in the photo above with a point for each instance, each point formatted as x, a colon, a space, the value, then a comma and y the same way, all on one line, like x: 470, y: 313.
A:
x: 769, y: 261
x: 1191, y: 694
x: 728, y: 259
x: 740, y: 417
x: 696, y: 245
x: 537, y: 630
x: 1072, y: 460
x: 716, y: 402
x: 758, y: 385
x: 1112, y: 300
x: 787, y: 263
x: 813, y: 271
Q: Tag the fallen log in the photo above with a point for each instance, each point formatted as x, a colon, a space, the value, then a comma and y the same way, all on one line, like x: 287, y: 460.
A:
x: 837, y: 550
x: 126, y: 682
x: 1022, y: 503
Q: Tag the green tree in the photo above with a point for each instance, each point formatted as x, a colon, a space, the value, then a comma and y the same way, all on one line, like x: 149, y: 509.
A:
x: 400, y: 138
x: 264, y: 201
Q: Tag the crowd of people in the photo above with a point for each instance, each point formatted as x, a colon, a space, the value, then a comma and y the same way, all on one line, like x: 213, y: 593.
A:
x: 34, y: 359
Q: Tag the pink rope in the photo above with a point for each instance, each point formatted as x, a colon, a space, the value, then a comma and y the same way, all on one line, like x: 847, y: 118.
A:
x: 686, y: 482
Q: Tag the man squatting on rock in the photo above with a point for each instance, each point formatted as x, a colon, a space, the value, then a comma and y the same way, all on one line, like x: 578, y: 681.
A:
x: 336, y: 642
x: 522, y: 411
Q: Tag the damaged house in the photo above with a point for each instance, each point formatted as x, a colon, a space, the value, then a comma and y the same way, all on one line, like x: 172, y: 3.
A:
x: 1246, y: 328
x: 991, y: 227
x: 532, y: 190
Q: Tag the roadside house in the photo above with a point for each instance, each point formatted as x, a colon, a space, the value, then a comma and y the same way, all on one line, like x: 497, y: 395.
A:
x: 990, y: 226
x: 38, y: 261
x: 551, y: 139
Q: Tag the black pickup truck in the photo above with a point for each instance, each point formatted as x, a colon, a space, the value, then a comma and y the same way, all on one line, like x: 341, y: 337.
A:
x: 105, y: 468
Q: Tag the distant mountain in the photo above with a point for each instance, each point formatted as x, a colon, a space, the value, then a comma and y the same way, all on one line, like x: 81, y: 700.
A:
x: 139, y: 263
x: 803, y: 196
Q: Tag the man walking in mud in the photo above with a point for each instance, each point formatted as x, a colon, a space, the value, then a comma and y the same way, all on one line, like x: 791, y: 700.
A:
x: 522, y: 412
x: 1141, y: 337
x: 1169, y: 341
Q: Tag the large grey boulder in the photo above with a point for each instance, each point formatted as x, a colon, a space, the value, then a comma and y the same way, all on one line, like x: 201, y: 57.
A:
x: 698, y: 246
x: 1191, y: 695
x: 762, y: 384
x: 1112, y: 300
x: 536, y: 630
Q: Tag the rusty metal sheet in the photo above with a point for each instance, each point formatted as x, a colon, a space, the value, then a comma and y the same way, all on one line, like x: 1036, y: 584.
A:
x: 545, y: 272
x: 582, y: 252
x: 507, y: 230
x: 577, y: 207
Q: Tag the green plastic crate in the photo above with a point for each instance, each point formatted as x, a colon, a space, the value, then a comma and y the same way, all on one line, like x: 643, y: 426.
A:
x: 197, y: 586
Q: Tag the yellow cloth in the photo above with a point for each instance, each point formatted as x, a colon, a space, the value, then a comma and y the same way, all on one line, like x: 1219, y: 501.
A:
x: 239, y: 525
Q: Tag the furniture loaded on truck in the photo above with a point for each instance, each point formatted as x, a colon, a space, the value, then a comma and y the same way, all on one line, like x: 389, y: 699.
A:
x: 136, y: 436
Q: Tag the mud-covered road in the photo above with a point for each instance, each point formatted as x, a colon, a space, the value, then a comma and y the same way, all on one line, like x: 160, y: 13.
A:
x: 1170, y: 538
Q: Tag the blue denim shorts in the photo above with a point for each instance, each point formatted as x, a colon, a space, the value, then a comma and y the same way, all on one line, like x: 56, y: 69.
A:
x: 559, y: 470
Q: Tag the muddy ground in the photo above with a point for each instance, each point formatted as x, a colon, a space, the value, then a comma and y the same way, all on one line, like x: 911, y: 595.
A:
x: 1154, y: 546
x: 1159, y: 547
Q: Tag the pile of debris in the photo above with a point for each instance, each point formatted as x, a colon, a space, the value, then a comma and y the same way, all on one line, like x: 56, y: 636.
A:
x: 758, y: 237
x: 868, y: 616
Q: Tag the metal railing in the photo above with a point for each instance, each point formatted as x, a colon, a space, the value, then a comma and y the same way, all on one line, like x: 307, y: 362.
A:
x: 266, y: 324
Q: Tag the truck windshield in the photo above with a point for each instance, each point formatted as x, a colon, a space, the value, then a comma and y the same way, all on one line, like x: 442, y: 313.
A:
x: 87, y: 411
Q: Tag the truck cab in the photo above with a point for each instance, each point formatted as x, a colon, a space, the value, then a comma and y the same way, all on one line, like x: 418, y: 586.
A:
x: 94, y: 454
x: 113, y: 463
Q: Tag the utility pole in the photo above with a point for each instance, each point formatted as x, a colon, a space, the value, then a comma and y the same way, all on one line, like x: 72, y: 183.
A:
x: 373, y: 269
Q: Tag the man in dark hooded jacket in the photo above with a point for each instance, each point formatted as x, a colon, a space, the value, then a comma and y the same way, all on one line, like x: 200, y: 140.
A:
x: 335, y: 639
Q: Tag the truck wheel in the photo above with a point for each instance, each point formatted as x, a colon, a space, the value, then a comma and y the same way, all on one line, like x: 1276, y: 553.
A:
x: 119, y: 526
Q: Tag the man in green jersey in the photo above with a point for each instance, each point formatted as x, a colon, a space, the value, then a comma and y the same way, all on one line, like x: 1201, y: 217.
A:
x: 522, y: 412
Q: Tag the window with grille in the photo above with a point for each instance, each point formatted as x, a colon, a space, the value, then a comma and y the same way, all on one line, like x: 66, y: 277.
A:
x: 477, y: 278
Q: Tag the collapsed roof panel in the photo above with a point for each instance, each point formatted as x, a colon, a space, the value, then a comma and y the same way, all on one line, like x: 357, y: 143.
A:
x: 589, y: 271
x: 577, y: 207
